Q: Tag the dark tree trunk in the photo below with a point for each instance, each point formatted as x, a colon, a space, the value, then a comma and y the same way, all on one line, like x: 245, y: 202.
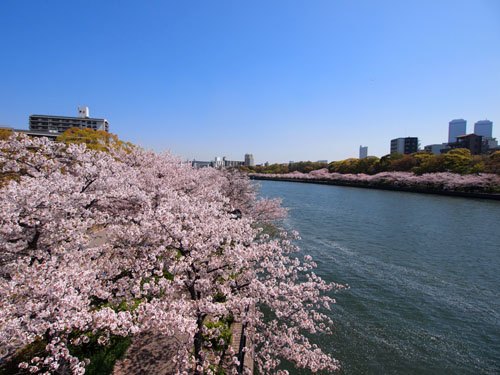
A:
x: 198, y: 341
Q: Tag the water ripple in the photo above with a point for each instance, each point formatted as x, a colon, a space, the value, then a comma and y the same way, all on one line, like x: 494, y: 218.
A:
x: 424, y: 273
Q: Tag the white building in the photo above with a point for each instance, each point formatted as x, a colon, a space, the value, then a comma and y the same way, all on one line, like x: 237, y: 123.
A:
x: 223, y: 162
x: 218, y: 162
x: 201, y: 164
x: 232, y: 163
x: 363, y: 152
x: 456, y: 128
x: 59, y: 124
x: 249, y: 160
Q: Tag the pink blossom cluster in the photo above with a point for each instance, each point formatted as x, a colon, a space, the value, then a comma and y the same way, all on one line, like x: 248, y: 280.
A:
x: 442, y: 180
x: 119, y: 243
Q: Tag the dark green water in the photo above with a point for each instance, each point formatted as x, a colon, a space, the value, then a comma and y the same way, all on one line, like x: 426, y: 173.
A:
x: 424, y: 273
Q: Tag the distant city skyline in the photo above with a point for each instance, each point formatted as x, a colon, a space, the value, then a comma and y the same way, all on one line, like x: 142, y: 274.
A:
x: 282, y: 80
x: 54, y: 125
x: 363, y: 152
x: 456, y: 127
x: 484, y: 128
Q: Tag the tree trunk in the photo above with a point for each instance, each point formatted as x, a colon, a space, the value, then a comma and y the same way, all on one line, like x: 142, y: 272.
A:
x: 198, y: 340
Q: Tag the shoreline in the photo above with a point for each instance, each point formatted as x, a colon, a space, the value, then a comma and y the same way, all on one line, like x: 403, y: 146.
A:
x: 450, y: 193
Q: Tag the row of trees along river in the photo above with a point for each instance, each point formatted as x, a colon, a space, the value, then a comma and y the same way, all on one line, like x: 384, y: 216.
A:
x: 455, y: 161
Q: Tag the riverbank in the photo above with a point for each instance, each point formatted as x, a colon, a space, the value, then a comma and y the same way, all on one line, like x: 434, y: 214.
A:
x: 384, y: 186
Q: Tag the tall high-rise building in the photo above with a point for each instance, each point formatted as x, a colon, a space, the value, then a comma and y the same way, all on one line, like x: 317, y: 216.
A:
x: 456, y: 127
x: 484, y: 128
x: 407, y: 145
x: 249, y: 160
x: 363, y: 152
x: 59, y: 124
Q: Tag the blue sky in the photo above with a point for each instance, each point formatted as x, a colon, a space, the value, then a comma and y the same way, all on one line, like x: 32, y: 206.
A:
x: 284, y: 80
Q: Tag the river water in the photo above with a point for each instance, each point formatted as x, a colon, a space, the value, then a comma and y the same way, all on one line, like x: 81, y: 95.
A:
x: 423, y: 270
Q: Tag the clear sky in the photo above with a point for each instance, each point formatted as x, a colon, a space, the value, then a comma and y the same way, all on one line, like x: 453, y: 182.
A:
x: 284, y: 80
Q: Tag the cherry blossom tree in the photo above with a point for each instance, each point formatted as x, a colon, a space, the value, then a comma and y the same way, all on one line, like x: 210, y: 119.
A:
x: 95, y: 244
x: 481, y: 182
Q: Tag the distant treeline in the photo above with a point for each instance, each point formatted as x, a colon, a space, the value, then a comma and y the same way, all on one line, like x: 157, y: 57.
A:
x: 455, y: 161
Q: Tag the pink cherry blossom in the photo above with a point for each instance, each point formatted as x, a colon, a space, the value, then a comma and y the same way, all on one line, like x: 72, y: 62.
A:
x: 444, y: 181
x: 132, y: 241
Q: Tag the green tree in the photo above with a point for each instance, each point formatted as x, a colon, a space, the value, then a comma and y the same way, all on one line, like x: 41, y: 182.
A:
x: 244, y: 169
x: 477, y: 164
x: 385, y: 161
x: 306, y: 166
x: 368, y: 165
x: 493, y: 163
x: 344, y: 166
x: 458, y: 160
x: 423, y: 159
x: 5, y: 134
x: 432, y: 164
x: 404, y: 164
x: 94, y: 139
